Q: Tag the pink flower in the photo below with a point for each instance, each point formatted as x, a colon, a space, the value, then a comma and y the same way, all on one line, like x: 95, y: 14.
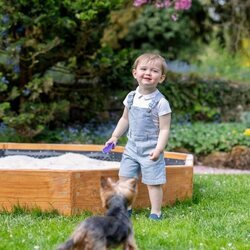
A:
x: 182, y: 4
x: 178, y: 4
x: 174, y: 17
x: 162, y: 4
x: 167, y: 3
x: 138, y: 3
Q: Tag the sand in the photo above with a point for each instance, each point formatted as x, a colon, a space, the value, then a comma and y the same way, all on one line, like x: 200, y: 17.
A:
x: 69, y: 161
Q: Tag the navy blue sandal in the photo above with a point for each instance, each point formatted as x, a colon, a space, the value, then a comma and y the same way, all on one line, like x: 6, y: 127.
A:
x: 155, y: 217
x: 130, y: 211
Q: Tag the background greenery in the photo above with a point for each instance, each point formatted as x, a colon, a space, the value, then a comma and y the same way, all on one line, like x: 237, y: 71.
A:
x: 67, y: 64
x: 64, y: 71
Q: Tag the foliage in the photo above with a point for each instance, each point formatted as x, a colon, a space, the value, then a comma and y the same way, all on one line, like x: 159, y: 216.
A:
x: 213, y: 60
x: 152, y: 29
x: 57, y: 66
x: 204, y: 138
x: 176, y: 4
x: 194, y: 98
x: 197, y: 138
x: 217, y: 217
x: 230, y: 20
x: 36, y: 36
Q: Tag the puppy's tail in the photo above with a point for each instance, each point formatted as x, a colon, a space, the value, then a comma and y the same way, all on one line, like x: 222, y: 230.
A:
x: 77, y: 240
x: 68, y: 245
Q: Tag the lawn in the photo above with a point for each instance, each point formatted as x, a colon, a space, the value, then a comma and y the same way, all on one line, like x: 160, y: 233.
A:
x: 218, y: 217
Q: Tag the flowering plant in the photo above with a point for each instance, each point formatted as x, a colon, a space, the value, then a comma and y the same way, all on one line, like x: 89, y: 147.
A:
x: 247, y: 132
x: 176, y: 4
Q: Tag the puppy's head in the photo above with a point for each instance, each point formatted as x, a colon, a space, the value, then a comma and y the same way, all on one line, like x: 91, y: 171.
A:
x: 109, y: 188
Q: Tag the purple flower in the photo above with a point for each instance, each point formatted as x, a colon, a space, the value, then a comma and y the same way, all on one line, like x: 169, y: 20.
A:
x: 16, y: 68
x: 182, y: 4
x: 4, y: 80
x: 5, y: 19
x: 26, y: 92
x: 174, y: 17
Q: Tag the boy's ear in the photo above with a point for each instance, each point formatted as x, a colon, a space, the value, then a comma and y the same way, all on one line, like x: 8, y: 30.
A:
x: 163, y: 77
x: 134, y: 73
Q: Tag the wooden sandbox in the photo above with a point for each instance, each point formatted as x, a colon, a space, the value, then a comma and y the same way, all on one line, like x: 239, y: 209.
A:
x: 74, y: 191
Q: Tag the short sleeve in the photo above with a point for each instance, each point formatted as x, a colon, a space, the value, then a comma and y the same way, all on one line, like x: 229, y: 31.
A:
x: 163, y: 107
x: 125, y: 101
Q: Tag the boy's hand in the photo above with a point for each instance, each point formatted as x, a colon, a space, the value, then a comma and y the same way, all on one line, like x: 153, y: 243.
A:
x: 113, y: 139
x: 154, y: 155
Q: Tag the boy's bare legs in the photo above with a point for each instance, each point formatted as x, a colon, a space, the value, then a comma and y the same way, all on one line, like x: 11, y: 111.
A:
x: 155, y: 195
x: 124, y: 179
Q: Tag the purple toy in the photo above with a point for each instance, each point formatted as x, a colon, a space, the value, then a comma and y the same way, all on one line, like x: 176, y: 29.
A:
x: 108, y: 148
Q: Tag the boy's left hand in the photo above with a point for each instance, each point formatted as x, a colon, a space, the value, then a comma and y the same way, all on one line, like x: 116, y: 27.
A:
x: 154, y: 155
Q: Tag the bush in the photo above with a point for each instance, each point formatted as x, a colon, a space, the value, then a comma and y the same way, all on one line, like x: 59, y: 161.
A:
x: 194, y: 98
x: 204, y: 138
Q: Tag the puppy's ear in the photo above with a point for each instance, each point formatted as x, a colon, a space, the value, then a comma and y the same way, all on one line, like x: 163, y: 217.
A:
x: 106, y: 182
x: 110, y: 182
x: 103, y: 182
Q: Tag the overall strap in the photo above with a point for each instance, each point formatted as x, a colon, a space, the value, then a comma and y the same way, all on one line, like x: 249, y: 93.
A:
x: 154, y: 102
x: 130, y: 99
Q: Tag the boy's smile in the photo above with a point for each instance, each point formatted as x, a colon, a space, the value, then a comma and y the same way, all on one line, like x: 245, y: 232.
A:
x: 148, y: 74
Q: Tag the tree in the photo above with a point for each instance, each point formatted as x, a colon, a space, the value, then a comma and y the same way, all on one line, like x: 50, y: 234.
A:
x: 36, y: 36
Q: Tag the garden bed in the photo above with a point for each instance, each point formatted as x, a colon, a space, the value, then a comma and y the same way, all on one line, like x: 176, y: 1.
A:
x: 73, y: 190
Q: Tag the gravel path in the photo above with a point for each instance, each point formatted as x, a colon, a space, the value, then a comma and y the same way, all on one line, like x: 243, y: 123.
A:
x: 210, y: 170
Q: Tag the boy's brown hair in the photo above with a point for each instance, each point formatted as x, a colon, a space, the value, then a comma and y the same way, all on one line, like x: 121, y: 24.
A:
x: 151, y: 57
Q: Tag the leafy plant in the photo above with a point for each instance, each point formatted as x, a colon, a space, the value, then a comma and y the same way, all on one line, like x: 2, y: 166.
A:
x: 204, y: 138
x: 214, y: 60
x: 36, y: 36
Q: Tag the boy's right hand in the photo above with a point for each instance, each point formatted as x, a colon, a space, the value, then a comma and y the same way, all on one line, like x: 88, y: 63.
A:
x: 110, y: 144
x: 113, y: 139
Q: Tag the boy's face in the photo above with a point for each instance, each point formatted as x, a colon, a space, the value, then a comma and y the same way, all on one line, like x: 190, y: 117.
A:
x: 148, y: 74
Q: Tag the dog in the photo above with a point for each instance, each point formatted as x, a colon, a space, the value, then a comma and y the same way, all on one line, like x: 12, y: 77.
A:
x: 113, y: 229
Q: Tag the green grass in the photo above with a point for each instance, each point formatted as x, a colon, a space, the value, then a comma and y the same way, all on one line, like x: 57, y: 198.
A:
x: 218, y: 217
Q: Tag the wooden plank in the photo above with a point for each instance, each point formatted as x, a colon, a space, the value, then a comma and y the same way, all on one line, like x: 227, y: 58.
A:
x: 62, y: 147
x: 86, y: 189
x: 179, y: 184
x: 76, y: 147
x: 73, y: 191
x: 45, y: 189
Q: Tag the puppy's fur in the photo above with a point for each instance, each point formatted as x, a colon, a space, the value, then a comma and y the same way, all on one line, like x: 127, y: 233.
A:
x: 114, y: 228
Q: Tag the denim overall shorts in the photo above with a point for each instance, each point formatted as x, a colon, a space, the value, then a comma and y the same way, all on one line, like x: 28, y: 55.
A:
x: 142, y: 140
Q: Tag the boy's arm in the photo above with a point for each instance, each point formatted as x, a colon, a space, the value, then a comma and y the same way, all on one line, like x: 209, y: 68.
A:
x: 164, y: 124
x: 121, y: 127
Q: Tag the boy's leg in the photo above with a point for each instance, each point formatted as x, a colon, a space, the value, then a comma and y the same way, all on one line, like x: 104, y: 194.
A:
x: 155, y: 196
x: 121, y: 178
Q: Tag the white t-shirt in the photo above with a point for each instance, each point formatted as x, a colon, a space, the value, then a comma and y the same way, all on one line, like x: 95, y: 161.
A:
x: 142, y: 101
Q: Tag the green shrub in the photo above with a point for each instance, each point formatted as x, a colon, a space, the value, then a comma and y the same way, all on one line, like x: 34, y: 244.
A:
x: 204, y: 138
x: 37, y: 36
x: 206, y: 99
x: 213, y: 60
x: 197, y: 138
